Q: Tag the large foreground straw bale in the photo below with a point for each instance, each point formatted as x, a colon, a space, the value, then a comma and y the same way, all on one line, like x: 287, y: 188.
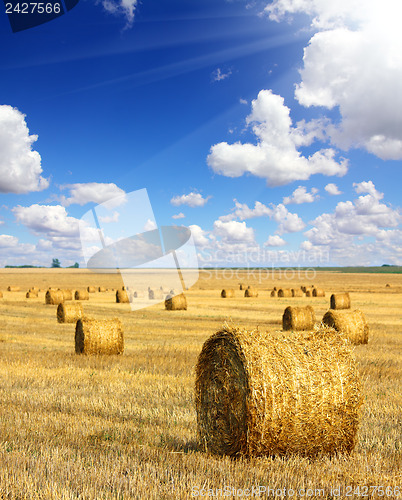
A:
x: 122, y: 297
x: 261, y: 394
x: 69, y: 313
x: 102, y: 336
x: 352, y: 324
x: 318, y: 292
x: 12, y: 288
x: 340, y: 301
x: 81, y: 295
x: 251, y: 292
x: 54, y: 297
x: 284, y: 292
x: 227, y: 293
x: 298, y: 318
x: 297, y: 292
x: 176, y: 302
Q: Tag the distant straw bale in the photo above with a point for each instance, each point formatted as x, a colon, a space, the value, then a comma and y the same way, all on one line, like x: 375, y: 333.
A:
x: 1, y: 295
x: 284, y: 292
x: 387, y: 285
x: 122, y: 297
x: 176, y: 302
x: 340, y: 301
x: 260, y: 394
x: 298, y: 318
x: 297, y: 292
x: 309, y: 293
x: 241, y: 286
x: 54, y: 297
x: 251, y: 292
x: 227, y: 293
x: 81, y: 295
x: 274, y: 293
x: 91, y: 289
x: 67, y: 294
x: 69, y: 313
x: 318, y: 292
x: 31, y: 294
x: 303, y: 289
x: 103, y: 336
x: 155, y: 294
x: 101, y: 289
x: 352, y: 324
x: 12, y: 288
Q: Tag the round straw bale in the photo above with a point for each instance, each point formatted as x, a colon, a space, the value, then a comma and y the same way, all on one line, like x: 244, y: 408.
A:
x: 284, y: 292
x: 54, y: 297
x: 275, y: 289
x: 91, y: 289
x: 154, y: 294
x: 101, y: 289
x: 274, y: 293
x: 69, y: 313
x: 176, y: 302
x: 31, y: 295
x: 309, y: 293
x: 352, y: 324
x: 387, y: 285
x: 227, y: 293
x: 251, y: 292
x: 12, y: 288
x: 262, y: 394
x: 303, y: 289
x: 340, y: 301
x: 241, y: 286
x: 1, y: 295
x: 122, y: 297
x: 102, y: 336
x: 297, y: 292
x: 81, y: 295
x: 34, y: 289
x: 298, y: 318
x: 67, y: 294
x: 318, y: 292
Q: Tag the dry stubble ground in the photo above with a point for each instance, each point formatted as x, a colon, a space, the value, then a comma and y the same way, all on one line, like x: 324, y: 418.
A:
x: 125, y: 426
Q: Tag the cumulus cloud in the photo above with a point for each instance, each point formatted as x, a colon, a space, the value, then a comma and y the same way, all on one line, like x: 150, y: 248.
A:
x: 199, y: 235
x: 96, y: 192
x: 20, y: 165
x: 301, y: 195
x: 150, y: 225
x: 275, y: 157
x: 332, y: 189
x: 353, y: 63
x: 178, y: 216
x: 275, y: 241
x: 233, y: 231
x: 192, y: 200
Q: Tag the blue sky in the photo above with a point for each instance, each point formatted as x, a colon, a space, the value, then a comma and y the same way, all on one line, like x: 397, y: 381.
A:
x: 272, y: 127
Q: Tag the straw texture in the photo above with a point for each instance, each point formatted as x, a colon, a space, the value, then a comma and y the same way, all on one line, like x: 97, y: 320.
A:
x: 122, y: 297
x: 13, y: 288
x: 260, y: 394
x: 352, y: 324
x: 297, y: 292
x: 81, y: 295
x: 99, y: 336
x: 176, y: 302
x: 69, y: 313
x: 284, y: 292
x: 227, y: 293
x: 340, y: 301
x: 91, y: 289
x: 298, y: 318
x: 54, y: 297
x: 318, y: 292
x: 251, y: 292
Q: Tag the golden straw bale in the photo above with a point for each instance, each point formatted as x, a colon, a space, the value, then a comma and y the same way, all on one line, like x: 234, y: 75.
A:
x: 297, y: 292
x: 101, y: 289
x: 176, y: 302
x: 284, y: 292
x: 102, y: 336
x: 69, y: 313
x: 34, y: 289
x: 67, y: 294
x: 303, y: 289
x: 91, y: 289
x: 122, y: 297
x: 298, y: 318
x: 309, y: 293
x: 1, y: 295
x: 155, y: 294
x: 227, y: 293
x: 12, y: 288
x: 251, y: 292
x: 387, y: 285
x: 261, y: 394
x: 81, y: 295
x: 318, y: 292
x: 340, y: 301
x: 54, y: 297
x: 241, y: 286
x: 352, y: 324
x: 274, y: 293
x: 31, y: 295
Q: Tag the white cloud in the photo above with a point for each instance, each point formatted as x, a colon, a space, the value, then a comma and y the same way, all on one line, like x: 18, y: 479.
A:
x: 50, y: 219
x: 199, y: 236
x: 81, y: 194
x: 275, y: 157
x: 192, y: 200
x: 20, y: 165
x: 178, y: 216
x: 219, y: 75
x: 107, y: 219
x: 7, y: 241
x: 150, y: 225
x: 300, y: 195
x: 275, y: 241
x: 287, y: 222
x: 242, y: 211
x: 125, y: 8
x: 233, y: 231
x: 353, y: 63
x: 243, y: 101
x: 332, y: 189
